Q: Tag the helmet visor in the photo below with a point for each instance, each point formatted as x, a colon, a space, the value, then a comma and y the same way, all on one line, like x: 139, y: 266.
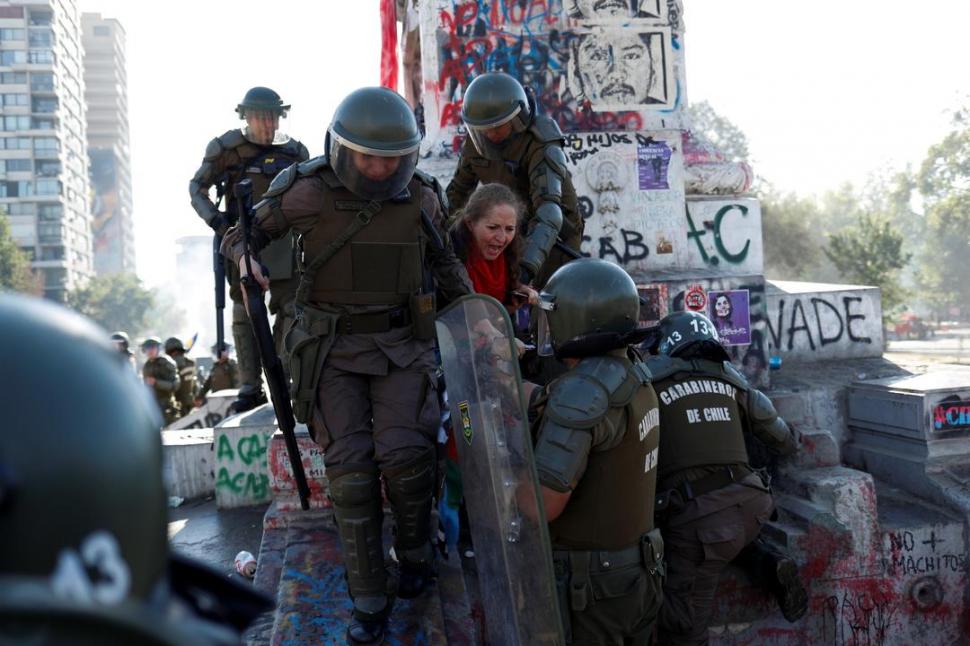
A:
x: 543, y: 334
x: 490, y: 140
x: 369, y: 173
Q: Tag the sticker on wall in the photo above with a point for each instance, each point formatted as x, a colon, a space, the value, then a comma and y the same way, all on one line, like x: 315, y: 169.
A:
x: 695, y: 298
x: 731, y: 313
x: 664, y: 244
x: 653, y: 303
x: 653, y: 161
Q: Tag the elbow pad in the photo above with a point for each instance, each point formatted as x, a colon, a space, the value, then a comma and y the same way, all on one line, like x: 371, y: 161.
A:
x: 767, y: 425
x: 545, y: 229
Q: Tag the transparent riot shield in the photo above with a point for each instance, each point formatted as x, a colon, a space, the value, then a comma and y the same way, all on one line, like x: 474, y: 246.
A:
x: 508, y: 526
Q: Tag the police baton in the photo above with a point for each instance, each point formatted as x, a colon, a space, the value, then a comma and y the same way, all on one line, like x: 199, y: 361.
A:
x: 273, y: 369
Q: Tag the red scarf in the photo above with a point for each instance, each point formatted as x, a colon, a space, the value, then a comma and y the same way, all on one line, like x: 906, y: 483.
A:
x: 488, y: 276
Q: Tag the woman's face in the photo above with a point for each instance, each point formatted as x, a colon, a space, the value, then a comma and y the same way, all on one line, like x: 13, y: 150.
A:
x: 722, y: 307
x: 495, y: 230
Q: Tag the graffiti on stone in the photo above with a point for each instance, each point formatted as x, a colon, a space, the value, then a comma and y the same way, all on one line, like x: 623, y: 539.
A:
x: 241, y: 465
x: 724, y: 236
x: 620, y: 69
x: 642, y: 230
x: 951, y: 414
x: 619, y: 11
x: 600, y: 74
x: 825, y: 324
x: 851, y: 618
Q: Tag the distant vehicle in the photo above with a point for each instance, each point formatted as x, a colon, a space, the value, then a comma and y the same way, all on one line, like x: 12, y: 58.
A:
x: 911, y: 326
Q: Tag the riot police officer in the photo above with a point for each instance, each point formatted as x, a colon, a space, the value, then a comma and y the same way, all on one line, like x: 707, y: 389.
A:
x: 715, y: 504
x: 185, y: 393
x: 596, y: 454
x: 83, y: 533
x: 122, y: 343
x: 257, y: 152
x: 224, y: 373
x: 510, y: 144
x: 362, y: 347
x: 161, y: 375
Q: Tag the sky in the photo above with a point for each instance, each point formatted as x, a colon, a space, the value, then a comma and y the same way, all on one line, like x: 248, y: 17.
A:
x: 827, y: 91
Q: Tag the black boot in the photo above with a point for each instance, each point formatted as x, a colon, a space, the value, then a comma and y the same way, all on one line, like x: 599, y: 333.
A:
x: 415, y: 577
x: 368, y: 628
x: 247, y: 401
x: 788, y: 588
x: 777, y: 573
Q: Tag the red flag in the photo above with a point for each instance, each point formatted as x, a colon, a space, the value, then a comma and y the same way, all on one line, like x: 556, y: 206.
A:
x: 389, y: 44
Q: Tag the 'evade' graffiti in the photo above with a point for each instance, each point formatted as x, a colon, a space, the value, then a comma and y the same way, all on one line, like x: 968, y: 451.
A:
x: 835, y: 324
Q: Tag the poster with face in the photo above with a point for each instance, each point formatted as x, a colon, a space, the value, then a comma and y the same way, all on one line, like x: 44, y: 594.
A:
x: 731, y: 313
x: 616, y: 10
x: 620, y: 68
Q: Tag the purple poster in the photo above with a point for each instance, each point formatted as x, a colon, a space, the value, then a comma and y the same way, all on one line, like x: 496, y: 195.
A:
x: 653, y: 159
x: 731, y: 315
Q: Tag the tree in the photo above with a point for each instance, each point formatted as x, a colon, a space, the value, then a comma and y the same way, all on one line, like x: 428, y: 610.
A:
x: 707, y: 125
x: 871, y: 253
x: 944, y: 185
x: 15, y: 270
x: 115, y: 301
x: 792, y: 239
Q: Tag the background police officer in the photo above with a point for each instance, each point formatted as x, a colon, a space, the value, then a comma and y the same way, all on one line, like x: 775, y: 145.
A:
x: 257, y: 152
x: 185, y: 393
x: 510, y: 144
x: 362, y: 348
x: 717, y: 503
x: 596, y: 457
x: 84, y: 557
x: 161, y: 375
x: 122, y: 343
x: 224, y: 373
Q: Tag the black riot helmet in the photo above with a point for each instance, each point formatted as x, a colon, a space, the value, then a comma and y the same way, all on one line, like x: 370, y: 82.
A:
x: 261, y: 99
x: 83, y: 509
x: 373, y: 143
x: 492, y: 100
x: 588, y: 306
x: 173, y: 344
x: 690, y: 335
x: 121, y: 340
x: 85, y: 493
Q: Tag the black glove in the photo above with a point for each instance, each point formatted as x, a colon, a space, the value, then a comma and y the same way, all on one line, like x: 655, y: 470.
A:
x: 525, y: 275
x: 219, y: 224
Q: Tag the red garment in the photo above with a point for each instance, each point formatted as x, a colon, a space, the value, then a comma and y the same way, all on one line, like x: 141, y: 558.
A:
x: 488, y: 276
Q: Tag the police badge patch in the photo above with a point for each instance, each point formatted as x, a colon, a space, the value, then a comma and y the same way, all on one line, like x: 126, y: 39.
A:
x: 466, y: 422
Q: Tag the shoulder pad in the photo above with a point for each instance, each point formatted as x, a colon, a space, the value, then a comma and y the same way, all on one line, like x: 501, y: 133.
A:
x: 283, y: 181
x: 613, y: 375
x: 213, y: 150
x: 545, y: 129
x: 432, y: 182
x: 232, y: 139
x: 556, y: 158
x: 577, y: 400
x: 311, y: 166
x: 662, y: 366
x: 732, y: 375
x: 296, y: 148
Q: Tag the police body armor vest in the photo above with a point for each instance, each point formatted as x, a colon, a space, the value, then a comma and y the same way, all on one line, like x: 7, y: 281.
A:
x: 261, y: 164
x: 164, y: 369
x: 701, y: 418
x: 186, y: 388
x: 508, y: 170
x: 382, y: 264
x: 612, y: 506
